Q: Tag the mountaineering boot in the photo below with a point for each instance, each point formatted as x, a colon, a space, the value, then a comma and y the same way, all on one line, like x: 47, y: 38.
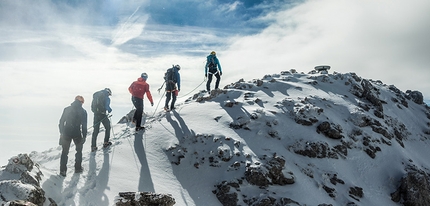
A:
x: 107, y: 144
x: 63, y: 173
x: 93, y: 149
x: 139, y: 128
x: 79, y: 170
x: 166, y: 109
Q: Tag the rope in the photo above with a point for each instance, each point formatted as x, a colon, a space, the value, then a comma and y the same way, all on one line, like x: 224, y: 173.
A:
x: 109, y: 115
x: 194, y: 88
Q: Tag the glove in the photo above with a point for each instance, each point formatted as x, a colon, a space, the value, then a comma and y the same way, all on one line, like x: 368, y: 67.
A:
x: 83, y: 140
x: 152, y: 104
x: 206, y: 75
x: 109, y: 110
x: 220, y: 73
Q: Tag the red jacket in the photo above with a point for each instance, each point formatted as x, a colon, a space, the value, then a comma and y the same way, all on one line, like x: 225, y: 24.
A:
x: 139, y: 88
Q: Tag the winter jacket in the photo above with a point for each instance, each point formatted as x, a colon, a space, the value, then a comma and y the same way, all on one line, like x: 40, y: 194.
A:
x: 139, y: 88
x: 73, y: 121
x: 215, y: 61
x: 178, y: 78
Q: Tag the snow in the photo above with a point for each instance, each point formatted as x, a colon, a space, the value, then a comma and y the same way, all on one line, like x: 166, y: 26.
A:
x: 150, y: 161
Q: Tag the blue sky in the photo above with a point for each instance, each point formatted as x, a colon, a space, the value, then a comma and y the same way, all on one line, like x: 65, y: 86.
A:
x: 51, y: 51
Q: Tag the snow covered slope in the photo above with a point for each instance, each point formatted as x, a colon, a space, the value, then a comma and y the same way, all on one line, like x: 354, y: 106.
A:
x: 286, y: 139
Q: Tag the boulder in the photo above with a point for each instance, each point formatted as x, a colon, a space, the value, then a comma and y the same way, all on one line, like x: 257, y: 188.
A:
x: 144, y: 198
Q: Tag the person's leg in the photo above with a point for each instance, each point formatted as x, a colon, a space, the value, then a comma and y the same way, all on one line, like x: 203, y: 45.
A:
x: 138, y: 103
x: 106, y: 124
x: 172, y: 106
x: 168, y: 96
x: 218, y: 78
x: 65, y: 154
x: 208, y: 84
x: 78, y: 155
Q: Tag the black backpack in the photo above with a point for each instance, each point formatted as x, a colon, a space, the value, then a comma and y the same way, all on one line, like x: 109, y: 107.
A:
x: 169, y: 76
x: 212, y: 66
x: 98, y: 103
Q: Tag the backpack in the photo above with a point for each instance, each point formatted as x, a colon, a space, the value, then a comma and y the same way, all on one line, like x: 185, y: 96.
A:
x: 169, y: 76
x: 212, y: 66
x: 98, y: 103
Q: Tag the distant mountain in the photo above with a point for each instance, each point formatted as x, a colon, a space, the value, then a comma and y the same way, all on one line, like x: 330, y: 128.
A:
x: 286, y: 139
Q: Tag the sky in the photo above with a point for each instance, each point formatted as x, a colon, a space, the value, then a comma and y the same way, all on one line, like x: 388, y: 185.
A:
x: 51, y: 51
x: 181, y: 152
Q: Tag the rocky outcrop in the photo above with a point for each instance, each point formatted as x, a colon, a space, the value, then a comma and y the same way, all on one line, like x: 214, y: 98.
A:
x: 26, y: 188
x: 414, y: 189
x: 144, y: 198
x: 415, y: 96
x: 260, y: 175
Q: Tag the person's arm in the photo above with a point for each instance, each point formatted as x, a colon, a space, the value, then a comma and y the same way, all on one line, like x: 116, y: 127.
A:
x: 107, y: 105
x: 148, y: 94
x: 61, y: 123
x: 178, y: 79
x: 219, y: 65
x: 84, y: 123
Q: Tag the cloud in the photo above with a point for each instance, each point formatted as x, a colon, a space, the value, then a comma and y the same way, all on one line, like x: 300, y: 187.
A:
x: 381, y: 40
x: 131, y: 28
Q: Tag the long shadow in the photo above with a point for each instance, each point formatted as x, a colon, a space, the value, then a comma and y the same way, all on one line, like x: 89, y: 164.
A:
x: 181, y: 129
x: 145, y: 181
x: 96, y: 183
x: 184, y: 128
x: 103, y: 179
x: 57, y: 182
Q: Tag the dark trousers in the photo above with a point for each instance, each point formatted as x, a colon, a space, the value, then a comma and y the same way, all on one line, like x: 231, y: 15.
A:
x: 65, y: 143
x: 100, y: 118
x: 208, y: 84
x: 138, y: 103
x: 170, y: 95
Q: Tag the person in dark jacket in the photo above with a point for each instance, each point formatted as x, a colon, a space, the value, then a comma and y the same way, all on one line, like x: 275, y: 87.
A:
x: 138, y: 89
x: 99, y: 106
x: 171, y: 88
x: 73, y: 126
x: 213, y: 67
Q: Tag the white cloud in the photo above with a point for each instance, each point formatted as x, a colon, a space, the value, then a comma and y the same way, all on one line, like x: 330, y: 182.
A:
x: 383, y: 40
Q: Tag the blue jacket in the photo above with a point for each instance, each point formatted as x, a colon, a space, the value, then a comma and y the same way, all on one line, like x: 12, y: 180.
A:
x: 209, y: 59
x: 177, y: 77
x: 107, y: 101
x: 73, y: 121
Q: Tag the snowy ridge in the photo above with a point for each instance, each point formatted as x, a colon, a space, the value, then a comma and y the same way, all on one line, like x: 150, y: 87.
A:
x: 279, y: 140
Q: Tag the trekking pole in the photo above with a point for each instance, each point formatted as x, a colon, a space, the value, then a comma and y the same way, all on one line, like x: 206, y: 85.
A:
x: 161, y: 87
x: 111, y: 126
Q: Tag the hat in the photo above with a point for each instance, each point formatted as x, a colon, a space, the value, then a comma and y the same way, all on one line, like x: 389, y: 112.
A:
x: 177, y: 67
x: 108, y: 91
x: 80, y: 98
x: 144, y: 76
x: 213, y: 53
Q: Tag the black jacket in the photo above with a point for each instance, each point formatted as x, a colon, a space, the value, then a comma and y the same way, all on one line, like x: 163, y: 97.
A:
x: 73, y: 121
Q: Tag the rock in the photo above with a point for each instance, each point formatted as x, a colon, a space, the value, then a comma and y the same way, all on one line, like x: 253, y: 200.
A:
x: 20, y: 163
x: 415, y: 96
x: 371, y: 94
x: 144, y: 198
x: 19, y: 191
x: 328, y: 131
x: 414, y: 189
x: 27, y: 188
x: 271, y: 174
x: 225, y: 193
